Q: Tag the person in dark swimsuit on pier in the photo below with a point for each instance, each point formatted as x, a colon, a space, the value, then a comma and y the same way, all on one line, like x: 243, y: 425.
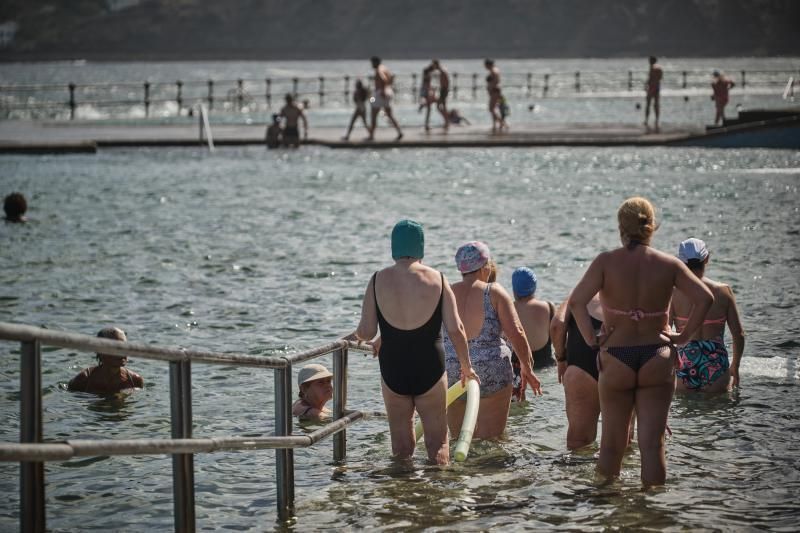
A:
x: 410, y: 350
x: 110, y: 375
x: 636, y: 364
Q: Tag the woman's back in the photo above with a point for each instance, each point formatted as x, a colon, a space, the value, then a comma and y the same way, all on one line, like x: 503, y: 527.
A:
x: 714, y: 323
x: 408, y: 297
x: 535, y: 317
x: 471, y: 307
x: 636, y: 291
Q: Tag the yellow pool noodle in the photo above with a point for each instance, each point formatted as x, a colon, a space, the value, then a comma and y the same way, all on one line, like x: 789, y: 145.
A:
x: 470, y: 418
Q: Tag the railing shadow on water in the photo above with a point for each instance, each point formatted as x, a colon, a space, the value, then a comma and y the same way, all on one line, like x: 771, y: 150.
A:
x: 32, y: 452
x: 174, y: 98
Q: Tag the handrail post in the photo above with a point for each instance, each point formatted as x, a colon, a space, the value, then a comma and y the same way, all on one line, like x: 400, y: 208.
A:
x: 32, y: 514
x: 546, y: 85
x: 339, y: 401
x: 321, y: 91
x: 474, y: 86
x: 744, y: 79
x: 284, y: 458
x: 578, y: 81
x: 180, y: 385
x: 630, y: 80
x: 179, y: 95
x: 414, y: 87
x: 210, y: 95
x: 269, y: 92
x: 72, y: 101
x: 346, y: 89
x: 240, y: 93
x: 455, y: 85
x: 147, y: 99
x: 529, y: 83
x: 683, y: 75
x: 295, y: 81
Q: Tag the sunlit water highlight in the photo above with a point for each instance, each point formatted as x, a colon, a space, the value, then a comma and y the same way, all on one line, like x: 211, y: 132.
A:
x: 269, y: 252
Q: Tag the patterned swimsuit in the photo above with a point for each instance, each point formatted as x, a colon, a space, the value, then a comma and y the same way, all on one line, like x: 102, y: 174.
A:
x: 702, y: 362
x: 490, y: 356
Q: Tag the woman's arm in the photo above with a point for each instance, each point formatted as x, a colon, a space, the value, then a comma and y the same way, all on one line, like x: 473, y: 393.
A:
x: 368, y: 326
x: 512, y: 327
x: 699, y: 296
x: 455, y: 330
x: 737, y: 333
x: 589, y: 285
x: 558, y: 336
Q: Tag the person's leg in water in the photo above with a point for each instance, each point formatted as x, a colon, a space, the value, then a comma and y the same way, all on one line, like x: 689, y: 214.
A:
x: 582, y: 406
x: 432, y: 410
x: 656, y: 385
x: 616, y: 387
x: 400, y: 412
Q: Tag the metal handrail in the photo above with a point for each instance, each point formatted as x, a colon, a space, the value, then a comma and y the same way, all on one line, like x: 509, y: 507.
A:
x: 32, y: 452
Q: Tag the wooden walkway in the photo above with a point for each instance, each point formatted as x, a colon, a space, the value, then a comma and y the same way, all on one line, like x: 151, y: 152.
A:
x: 77, y: 136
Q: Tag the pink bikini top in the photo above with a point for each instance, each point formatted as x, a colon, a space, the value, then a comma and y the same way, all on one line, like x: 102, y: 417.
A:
x: 635, y: 314
x: 707, y: 322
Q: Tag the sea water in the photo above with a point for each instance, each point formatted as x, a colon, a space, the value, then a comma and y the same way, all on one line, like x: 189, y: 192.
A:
x: 269, y: 252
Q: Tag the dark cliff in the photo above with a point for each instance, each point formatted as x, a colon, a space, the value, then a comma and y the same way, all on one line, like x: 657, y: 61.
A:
x: 328, y: 29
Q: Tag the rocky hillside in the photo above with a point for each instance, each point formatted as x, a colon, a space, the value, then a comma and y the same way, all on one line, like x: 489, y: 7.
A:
x: 327, y: 29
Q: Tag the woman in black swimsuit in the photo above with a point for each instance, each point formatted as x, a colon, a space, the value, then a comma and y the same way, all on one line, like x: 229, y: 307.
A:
x: 577, y: 371
x: 410, y: 302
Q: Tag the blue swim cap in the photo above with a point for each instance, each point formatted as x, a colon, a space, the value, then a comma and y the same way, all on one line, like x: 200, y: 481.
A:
x: 408, y: 240
x: 524, y: 282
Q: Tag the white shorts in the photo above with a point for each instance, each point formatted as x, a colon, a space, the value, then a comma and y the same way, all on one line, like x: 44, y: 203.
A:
x: 382, y: 101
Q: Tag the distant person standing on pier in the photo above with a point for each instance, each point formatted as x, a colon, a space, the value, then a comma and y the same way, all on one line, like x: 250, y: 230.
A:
x: 426, y: 95
x: 273, y: 138
x: 721, y: 85
x: 15, y: 207
x: 493, y: 88
x: 382, y: 98
x: 653, y: 90
x: 444, y: 91
x: 293, y: 113
x: 360, y: 97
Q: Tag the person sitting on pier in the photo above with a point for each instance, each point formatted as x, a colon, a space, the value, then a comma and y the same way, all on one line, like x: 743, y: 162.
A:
x: 274, y: 134
x: 455, y: 117
x: 110, y: 375
x: 15, y: 207
x: 315, y: 390
x: 293, y: 114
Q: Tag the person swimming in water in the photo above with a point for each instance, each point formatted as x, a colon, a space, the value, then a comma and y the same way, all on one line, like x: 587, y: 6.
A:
x: 704, y: 362
x: 110, y: 375
x: 315, y: 389
x: 15, y: 206
x: 636, y: 360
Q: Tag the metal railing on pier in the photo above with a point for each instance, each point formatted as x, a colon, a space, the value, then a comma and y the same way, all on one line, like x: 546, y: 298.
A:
x: 172, y: 98
x: 32, y: 452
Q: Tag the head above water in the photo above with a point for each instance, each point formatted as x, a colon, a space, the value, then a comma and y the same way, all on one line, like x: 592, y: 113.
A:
x: 472, y: 256
x: 524, y: 282
x: 408, y: 240
x: 15, y: 207
x: 375, y: 60
x: 694, y: 253
x: 113, y: 334
x: 637, y: 220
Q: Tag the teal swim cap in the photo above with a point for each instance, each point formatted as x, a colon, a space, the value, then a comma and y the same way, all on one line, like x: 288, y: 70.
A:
x: 408, y: 240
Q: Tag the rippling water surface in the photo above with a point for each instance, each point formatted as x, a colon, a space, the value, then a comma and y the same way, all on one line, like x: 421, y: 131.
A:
x: 269, y: 252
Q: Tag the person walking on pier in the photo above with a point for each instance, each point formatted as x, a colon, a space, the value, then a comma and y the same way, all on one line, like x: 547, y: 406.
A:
x: 653, y: 91
x: 426, y: 95
x: 360, y: 97
x: 382, y: 98
x: 495, y: 95
x: 412, y: 303
x: 721, y: 85
x: 293, y: 114
x: 444, y: 91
